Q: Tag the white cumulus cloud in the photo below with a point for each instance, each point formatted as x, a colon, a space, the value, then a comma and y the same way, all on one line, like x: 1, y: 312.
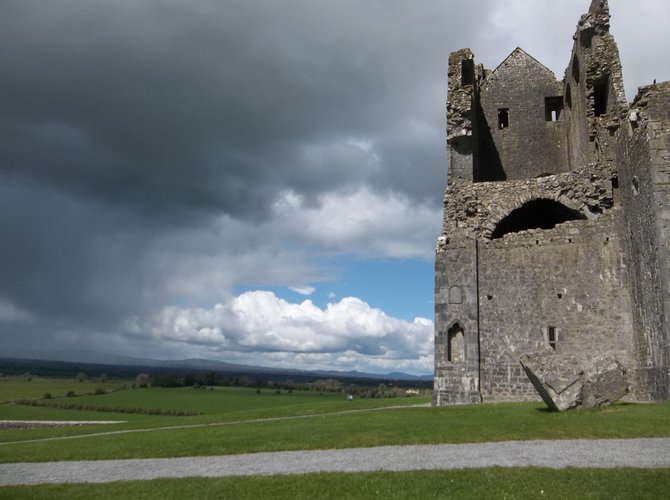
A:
x: 348, y: 333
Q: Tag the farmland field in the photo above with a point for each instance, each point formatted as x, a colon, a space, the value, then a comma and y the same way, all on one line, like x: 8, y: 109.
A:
x: 233, y: 420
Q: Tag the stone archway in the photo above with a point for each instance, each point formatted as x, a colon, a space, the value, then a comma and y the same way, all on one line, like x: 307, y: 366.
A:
x: 538, y: 213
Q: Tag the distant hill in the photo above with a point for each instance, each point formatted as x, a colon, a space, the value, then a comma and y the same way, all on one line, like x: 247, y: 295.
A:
x: 65, y: 362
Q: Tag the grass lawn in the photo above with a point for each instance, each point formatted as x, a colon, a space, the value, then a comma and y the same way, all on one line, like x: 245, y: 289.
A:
x: 232, y: 422
x: 237, y: 420
x: 514, y: 483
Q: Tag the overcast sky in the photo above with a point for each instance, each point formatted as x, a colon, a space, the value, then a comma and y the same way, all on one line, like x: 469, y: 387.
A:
x: 251, y: 181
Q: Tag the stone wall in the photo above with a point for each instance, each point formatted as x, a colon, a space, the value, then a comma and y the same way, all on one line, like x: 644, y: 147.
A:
x: 457, y: 379
x: 643, y: 151
x: 569, y: 279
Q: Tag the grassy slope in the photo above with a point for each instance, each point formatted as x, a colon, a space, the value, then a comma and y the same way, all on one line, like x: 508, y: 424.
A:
x: 478, y: 483
x: 325, y: 429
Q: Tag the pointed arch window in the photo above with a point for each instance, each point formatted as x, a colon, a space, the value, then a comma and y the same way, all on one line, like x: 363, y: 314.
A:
x: 456, y: 343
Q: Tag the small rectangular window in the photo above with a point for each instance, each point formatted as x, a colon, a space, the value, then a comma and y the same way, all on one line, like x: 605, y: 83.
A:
x: 552, y: 337
x: 552, y: 108
x: 503, y: 118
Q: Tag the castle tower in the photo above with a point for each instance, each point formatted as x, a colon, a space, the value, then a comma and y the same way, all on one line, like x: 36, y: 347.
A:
x: 537, y: 241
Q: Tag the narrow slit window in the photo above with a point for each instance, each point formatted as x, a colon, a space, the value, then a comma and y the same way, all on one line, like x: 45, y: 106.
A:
x: 467, y: 72
x: 600, y: 97
x: 503, y: 118
x: 552, y: 337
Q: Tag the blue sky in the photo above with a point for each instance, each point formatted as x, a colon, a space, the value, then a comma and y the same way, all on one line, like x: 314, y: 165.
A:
x: 252, y: 181
x: 403, y: 288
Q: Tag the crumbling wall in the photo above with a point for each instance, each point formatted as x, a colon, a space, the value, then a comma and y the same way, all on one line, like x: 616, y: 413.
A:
x: 461, y: 126
x: 594, y: 92
x: 473, y: 210
x: 643, y: 153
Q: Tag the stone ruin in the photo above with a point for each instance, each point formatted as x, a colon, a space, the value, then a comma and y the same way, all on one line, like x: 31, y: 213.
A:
x: 556, y: 227
x: 564, y: 383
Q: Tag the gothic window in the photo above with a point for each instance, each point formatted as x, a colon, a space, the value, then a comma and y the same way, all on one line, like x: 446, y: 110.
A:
x: 456, y: 343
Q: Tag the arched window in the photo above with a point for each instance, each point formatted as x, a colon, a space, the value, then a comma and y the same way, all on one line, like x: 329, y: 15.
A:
x: 456, y: 343
x: 536, y: 214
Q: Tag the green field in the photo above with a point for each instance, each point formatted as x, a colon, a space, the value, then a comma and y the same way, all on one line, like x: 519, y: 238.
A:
x: 239, y: 420
x: 12, y: 388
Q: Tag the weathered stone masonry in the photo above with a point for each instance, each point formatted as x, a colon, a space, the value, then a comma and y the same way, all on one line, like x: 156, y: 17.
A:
x: 556, y: 221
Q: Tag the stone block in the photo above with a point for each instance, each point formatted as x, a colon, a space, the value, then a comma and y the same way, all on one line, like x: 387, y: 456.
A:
x: 604, y: 382
x: 565, y: 382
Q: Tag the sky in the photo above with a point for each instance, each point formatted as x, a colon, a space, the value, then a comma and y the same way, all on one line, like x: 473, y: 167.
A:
x: 251, y: 181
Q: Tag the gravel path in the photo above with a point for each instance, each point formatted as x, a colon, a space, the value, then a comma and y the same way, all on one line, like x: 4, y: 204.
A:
x: 648, y: 453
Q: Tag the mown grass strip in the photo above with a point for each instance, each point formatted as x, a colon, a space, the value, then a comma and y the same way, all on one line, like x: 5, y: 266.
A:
x: 508, y: 483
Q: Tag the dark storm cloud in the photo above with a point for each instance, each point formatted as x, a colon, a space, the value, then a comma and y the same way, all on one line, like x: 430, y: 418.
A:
x: 206, y: 105
x: 67, y: 261
x: 161, y: 153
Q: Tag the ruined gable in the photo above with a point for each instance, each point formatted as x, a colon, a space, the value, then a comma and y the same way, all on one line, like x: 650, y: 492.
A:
x: 519, y: 121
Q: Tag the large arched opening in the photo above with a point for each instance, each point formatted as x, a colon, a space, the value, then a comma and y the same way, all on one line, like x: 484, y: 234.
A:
x: 540, y: 213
